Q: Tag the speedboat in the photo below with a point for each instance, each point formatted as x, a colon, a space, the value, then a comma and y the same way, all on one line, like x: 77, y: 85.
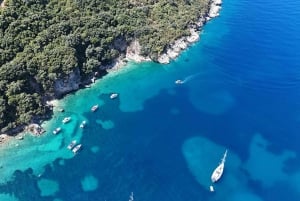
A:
x: 217, y: 173
x: 113, y: 95
x: 94, y: 108
x: 66, y: 120
x: 82, y: 125
x: 179, y: 82
x: 76, y: 148
x: 71, y: 145
x: 57, y: 130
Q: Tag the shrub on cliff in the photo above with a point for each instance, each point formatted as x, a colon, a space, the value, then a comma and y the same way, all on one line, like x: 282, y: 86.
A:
x: 45, y: 40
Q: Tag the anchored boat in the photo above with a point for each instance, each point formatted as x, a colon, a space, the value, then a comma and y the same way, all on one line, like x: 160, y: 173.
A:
x: 66, y: 120
x: 57, y: 130
x: 72, y: 144
x: 114, y: 95
x: 217, y: 173
x: 76, y: 148
x: 82, y: 125
x: 94, y: 108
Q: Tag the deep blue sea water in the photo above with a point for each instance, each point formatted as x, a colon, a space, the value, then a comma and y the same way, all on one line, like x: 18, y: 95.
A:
x: 162, y: 141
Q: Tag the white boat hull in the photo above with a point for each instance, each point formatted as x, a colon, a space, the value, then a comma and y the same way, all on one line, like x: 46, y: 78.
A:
x: 216, y: 175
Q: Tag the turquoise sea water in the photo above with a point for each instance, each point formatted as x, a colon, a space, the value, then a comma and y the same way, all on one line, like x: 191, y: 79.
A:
x: 162, y: 141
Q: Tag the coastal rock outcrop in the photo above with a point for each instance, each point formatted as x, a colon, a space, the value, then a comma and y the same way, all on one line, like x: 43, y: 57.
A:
x: 214, y: 9
x: 174, y: 50
x: 133, y: 52
x: 104, y: 44
x: 67, y: 84
x: 182, y: 43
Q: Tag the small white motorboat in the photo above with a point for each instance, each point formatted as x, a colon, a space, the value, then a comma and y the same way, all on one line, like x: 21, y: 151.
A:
x: 94, y: 108
x: 82, y: 125
x: 71, y: 145
x: 179, y: 82
x: 66, y: 120
x: 57, y: 130
x: 76, y: 148
x: 114, y: 95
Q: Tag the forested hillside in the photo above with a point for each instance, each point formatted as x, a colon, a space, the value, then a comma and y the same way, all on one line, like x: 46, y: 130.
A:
x: 42, y: 41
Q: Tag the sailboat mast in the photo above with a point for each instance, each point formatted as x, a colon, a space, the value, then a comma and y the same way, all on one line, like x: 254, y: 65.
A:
x: 224, y: 157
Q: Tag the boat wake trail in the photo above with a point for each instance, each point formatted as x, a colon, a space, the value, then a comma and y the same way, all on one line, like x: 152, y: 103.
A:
x: 190, y: 77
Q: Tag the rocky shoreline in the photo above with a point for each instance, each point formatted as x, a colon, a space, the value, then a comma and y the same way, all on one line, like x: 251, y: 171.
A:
x: 2, y: 5
x: 182, y: 43
x: 133, y: 53
x: 175, y: 48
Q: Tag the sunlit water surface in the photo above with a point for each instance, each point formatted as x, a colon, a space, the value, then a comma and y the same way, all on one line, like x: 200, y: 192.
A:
x: 162, y: 141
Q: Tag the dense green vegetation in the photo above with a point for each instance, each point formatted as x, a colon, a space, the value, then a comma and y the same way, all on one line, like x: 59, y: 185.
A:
x: 45, y: 40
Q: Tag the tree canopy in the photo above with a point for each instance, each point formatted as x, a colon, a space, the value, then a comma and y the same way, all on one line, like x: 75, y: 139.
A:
x: 45, y: 40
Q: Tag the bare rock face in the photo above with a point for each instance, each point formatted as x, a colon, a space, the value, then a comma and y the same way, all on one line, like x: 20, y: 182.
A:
x: 179, y: 45
x: 164, y: 59
x: 214, y: 8
x: 133, y: 52
x: 67, y: 84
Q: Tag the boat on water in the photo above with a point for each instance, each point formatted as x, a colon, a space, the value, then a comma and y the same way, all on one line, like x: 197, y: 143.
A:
x: 131, y: 197
x: 179, y: 82
x: 57, y: 130
x: 66, y: 120
x: 94, y: 108
x: 82, y: 125
x: 217, y: 173
x: 76, y: 148
x: 114, y: 95
x: 211, y: 188
x: 61, y: 109
x: 72, y: 144
x: 20, y: 137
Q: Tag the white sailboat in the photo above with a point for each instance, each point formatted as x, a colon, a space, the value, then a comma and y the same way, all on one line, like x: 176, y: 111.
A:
x: 217, y: 173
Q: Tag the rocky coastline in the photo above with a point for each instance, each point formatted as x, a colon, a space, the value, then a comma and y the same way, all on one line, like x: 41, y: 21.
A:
x: 72, y: 82
x: 133, y: 53
x: 175, y: 48
x: 182, y: 43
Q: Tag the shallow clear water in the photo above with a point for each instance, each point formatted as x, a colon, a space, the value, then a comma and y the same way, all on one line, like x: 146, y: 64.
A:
x: 162, y: 141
